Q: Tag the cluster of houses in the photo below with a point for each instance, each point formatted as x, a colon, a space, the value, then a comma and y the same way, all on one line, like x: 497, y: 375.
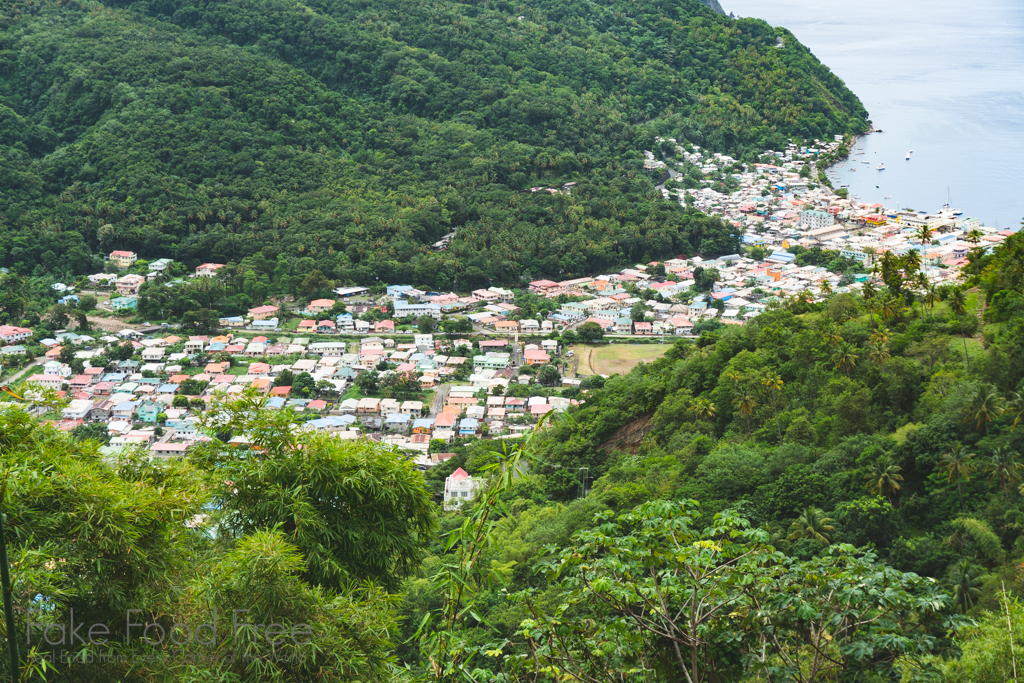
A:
x: 776, y: 208
x: 134, y: 397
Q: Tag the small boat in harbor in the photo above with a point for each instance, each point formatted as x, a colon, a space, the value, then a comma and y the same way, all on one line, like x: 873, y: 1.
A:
x: 908, y: 156
x: 880, y: 167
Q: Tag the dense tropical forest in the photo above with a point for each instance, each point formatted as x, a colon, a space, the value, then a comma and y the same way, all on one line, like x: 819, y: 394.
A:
x: 345, y: 136
x: 831, y: 492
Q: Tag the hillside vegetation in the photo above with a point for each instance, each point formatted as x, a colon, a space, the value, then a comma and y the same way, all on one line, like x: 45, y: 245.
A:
x: 346, y: 137
x: 831, y: 492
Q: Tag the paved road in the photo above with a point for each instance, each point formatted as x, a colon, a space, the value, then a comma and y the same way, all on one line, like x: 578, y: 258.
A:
x: 16, y: 376
x: 671, y: 174
x: 438, y: 403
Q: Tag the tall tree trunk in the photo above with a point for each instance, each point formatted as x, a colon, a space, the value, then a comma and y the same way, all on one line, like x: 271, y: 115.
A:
x: 961, y: 494
x: 967, y: 358
x: 775, y: 408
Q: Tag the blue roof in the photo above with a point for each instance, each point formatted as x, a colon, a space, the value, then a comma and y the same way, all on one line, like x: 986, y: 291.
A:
x: 395, y: 418
x: 276, y: 402
x: 423, y: 423
x: 125, y: 405
x: 168, y: 388
x: 216, y: 346
x: 468, y: 423
x: 781, y: 256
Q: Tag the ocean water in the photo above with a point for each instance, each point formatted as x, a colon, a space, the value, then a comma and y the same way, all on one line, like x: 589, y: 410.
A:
x: 945, y: 78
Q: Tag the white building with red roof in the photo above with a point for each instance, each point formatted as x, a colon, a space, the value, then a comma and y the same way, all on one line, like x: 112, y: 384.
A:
x: 11, y: 334
x: 208, y: 269
x: 459, y: 487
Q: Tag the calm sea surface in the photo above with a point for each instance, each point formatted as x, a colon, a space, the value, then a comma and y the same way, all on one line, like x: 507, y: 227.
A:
x: 945, y: 78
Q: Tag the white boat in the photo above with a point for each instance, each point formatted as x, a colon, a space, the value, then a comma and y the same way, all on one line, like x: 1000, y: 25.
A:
x: 865, y: 162
x: 908, y: 156
x: 880, y: 167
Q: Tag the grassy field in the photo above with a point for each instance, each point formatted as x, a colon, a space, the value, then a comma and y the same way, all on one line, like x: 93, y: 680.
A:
x: 611, y: 359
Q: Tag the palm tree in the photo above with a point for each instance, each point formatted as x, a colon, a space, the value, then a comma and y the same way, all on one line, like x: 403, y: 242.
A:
x: 924, y: 234
x: 891, y: 307
x: 776, y: 536
x: 966, y: 582
x: 957, y: 301
x: 958, y: 465
x: 745, y: 401
x: 931, y: 296
x: 702, y: 409
x: 773, y: 383
x: 884, y: 478
x: 986, y: 406
x: 813, y: 524
x: 911, y: 262
x: 1002, y: 467
x: 825, y: 288
x: 878, y: 353
x: 830, y: 331
x: 845, y: 357
x: 869, y: 293
x: 974, y: 237
x: 881, y: 336
x: 1016, y: 407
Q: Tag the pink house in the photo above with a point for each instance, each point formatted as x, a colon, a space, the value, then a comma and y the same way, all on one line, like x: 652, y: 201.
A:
x: 536, y: 357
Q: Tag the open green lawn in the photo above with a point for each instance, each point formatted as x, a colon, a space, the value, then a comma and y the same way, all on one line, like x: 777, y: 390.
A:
x: 611, y: 359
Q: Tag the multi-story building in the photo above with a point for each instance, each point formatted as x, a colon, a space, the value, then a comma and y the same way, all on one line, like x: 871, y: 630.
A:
x: 459, y: 487
x: 123, y: 259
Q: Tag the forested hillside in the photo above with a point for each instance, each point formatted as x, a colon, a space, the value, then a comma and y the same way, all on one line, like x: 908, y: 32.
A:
x: 347, y: 136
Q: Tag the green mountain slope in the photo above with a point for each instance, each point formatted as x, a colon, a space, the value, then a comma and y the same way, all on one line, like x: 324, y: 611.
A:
x: 348, y: 136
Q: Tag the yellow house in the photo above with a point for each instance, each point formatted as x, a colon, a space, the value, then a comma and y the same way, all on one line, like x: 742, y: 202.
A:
x: 123, y: 259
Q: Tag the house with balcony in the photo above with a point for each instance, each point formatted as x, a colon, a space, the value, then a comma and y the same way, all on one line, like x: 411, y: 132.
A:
x: 12, y: 334
x: 123, y: 259
x: 208, y: 269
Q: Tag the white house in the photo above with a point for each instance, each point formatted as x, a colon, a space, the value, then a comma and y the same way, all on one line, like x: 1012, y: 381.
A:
x: 460, y: 487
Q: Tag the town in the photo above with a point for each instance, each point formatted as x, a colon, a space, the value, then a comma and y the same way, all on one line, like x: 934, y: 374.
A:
x: 423, y: 370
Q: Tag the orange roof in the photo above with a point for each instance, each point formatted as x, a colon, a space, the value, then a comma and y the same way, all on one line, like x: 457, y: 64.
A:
x: 280, y: 391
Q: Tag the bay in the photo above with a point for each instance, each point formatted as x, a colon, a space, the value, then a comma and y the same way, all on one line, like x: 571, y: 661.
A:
x: 940, y: 76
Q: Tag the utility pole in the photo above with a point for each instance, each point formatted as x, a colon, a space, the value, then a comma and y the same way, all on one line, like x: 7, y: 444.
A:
x: 5, y: 580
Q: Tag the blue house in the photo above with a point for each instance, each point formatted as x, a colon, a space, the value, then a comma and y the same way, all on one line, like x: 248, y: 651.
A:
x: 468, y: 426
x: 397, y: 422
